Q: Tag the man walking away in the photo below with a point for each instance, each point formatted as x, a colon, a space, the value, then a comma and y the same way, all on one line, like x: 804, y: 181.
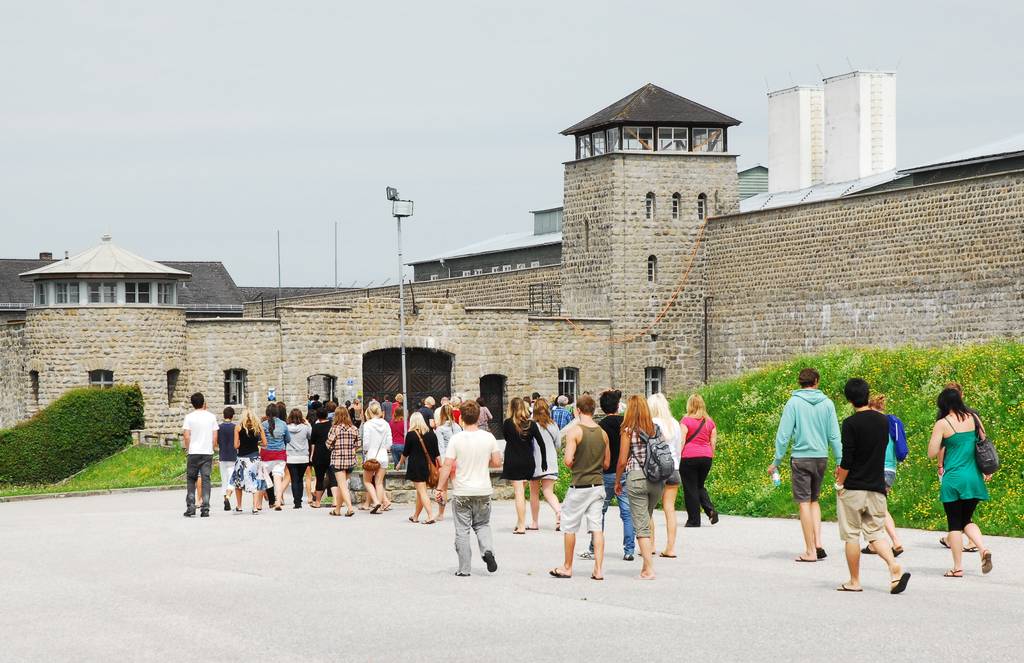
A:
x: 587, y: 455
x: 228, y: 457
x: 560, y: 413
x: 199, y: 431
x: 472, y: 452
x: 860, y: 488
x: 809, y: 420
x: 611, y: 424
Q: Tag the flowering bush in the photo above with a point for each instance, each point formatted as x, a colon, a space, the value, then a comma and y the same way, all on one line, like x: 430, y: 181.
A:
x: 747, y: 409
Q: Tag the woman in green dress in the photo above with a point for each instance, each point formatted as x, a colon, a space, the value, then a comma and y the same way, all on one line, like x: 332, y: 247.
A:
x: 962, y: 485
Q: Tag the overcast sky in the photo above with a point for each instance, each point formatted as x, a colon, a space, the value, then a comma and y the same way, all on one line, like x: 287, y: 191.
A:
x: 193, y: 130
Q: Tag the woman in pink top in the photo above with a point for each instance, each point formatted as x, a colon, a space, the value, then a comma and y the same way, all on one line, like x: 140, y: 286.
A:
x: 699, y: 440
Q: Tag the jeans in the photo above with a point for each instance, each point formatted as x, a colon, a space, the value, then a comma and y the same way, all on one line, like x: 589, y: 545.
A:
x: 472, y: 513
x: 694, y: 472
x: 295, y: 471
x: 198, y: 465
x: 628, y: 534
x: 396, y: 452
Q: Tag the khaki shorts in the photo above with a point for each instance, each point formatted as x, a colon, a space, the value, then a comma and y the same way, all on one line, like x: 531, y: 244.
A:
x: 583, y: 507
x: 860, y: 513
x: 643, y: 497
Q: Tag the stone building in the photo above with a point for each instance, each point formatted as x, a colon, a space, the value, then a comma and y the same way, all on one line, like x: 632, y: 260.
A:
x: 664, y: 281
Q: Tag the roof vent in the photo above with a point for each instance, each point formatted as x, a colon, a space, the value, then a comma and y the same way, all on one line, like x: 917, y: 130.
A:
x: 106, y: 237
x: 45, y: 255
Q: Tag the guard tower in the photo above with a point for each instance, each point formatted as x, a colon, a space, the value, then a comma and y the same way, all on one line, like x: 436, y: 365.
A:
x: 647, y: 172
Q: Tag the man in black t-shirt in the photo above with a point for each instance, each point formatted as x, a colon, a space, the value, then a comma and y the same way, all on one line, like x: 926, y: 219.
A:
x: 611, y: 424
x: 860, y: 488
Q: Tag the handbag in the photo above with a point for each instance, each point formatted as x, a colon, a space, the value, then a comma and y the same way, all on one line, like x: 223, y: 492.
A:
x: 432, y: 471
x: 372, y: 464
x: 984, y: 451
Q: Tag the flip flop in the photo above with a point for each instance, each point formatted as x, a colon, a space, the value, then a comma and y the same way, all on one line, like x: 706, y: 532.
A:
x: 806, y: 561
x: 350, y: 513
x: 986, y: 562
x: 515, y: 531
x: 942, y: 542
x: 844, y: 588
x: 899, y: 585
x: 375, y: 509
x: 429, y: 522
x: 661, y: 554
x: 555, y: 573
x: 413, y: 520
x: 532, y: 529
x: 387, y: 508
x: 593, y: 577
x: 954, y: 573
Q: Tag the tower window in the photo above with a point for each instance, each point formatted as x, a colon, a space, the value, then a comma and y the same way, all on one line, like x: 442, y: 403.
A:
x: 708, y: 140
x: 67, y: 293
x: 41, y: 294
x: 234, y: 386
x: 568, y: 383
x: 673, y: 139
x: 638, y: 138
x: 702, y: 207
x: 33, y: 378
x: 584, y: 146
x: 654, y: 380
x: 612, y: 142
x: 165, y: 293
x: 652, y: 269
x: 649, y: 206
x: 101, y: 379
x: 676, y: 203
x: 586, y: 234
x: 597, y: 143
x: 136, y: 293
x: 172, y: 385
x: 102, y: 293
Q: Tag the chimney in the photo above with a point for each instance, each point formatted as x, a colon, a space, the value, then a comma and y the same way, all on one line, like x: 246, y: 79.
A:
x: 860, y: 124
x: 45, y: 255
x: 796, y: 137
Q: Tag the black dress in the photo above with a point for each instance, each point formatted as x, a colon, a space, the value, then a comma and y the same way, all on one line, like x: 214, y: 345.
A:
x: 519, y: 464
x: 321, y: 455
x: 416, y: 462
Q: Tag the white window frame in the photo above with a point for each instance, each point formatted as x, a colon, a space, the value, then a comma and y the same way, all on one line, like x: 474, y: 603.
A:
x: 669, y: 139
x: 702, y: 138
x: 597, y: 138
x: 677, y: 202
x: 134, y: 291
x: 584, y: 146
x: 166, y: 293
x: 535, y: 263
x: 67, y: 292
x: 495, y: 269
x: 612, y: 139
x: 40, y: 293
x: 569, y: 378
x: 650, y: 205
x: 235, y: 382
x: 520, y: 265
x: 433, y: 277
x: 702, y: 207
x: 106, y: 292
x: 101, y: 378
x: 478, y: 271
x: 652, y: 269
x: 506, y: 268
x: 466, y: 272
x: 654, y: 380
x: 635, y: 143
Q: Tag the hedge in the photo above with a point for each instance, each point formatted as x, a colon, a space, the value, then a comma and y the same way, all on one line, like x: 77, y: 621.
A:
x: 747, y: 411
x: 79, y: 428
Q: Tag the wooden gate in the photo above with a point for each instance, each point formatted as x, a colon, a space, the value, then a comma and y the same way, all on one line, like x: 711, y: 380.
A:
x: 428, y: 373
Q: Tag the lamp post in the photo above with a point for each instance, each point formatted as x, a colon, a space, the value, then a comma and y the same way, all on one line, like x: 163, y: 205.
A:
x: 401, y: 209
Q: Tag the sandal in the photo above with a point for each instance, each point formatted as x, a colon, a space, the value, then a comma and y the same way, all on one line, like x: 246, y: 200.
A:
x: 413, y: 520
x: 376, y: 509
x: 532, y: 529
x: 661, y: 554
x: 844, y: 588
x: 986, y: 562
x: 429, y: 522
x: 387, y: 508
x: 593, y: 577
x: 555, y: 573
x: 899, y: 584
x: 515, y: 531
x: 954, y: 573
x: 350, y: 513
x: 335, y: 512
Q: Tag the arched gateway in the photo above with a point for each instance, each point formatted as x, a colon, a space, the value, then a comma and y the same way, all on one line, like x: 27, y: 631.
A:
x: 428, y: 373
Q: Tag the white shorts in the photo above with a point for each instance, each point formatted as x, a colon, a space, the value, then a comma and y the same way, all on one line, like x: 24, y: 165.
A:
x: 226, y: 468
x: 582, y: 508
x: 275, y: 468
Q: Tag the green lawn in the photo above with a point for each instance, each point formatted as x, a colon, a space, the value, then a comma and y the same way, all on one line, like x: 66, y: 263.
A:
x: 132, y: 468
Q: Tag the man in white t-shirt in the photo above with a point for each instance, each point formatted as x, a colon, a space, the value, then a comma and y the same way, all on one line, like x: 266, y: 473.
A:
x: 473, y: 452
x: 199, y: 435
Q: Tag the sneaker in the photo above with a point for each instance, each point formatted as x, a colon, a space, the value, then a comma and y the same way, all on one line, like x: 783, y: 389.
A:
x: 628, y: 557
x: 586, y: 555
x: 227, y: 503
x: 189, y: 513
x: 821, y: 553
x: 492, y: 565
x: 204, y: 514
x: 297, y: 506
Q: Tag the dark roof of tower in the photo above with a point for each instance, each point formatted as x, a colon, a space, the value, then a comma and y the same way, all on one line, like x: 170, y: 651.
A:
x: 653, y: 104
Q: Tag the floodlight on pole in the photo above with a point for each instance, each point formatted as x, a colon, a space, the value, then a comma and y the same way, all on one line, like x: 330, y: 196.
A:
x: 401, y: 209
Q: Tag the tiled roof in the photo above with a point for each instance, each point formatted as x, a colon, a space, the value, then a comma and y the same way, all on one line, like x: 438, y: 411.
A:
x: 653, y: 105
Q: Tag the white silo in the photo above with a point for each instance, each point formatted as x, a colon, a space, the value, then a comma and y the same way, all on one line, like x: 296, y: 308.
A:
x: 796, y: 151
x: 860, y: 124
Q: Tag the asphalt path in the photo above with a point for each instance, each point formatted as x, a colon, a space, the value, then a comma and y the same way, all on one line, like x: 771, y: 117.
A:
x: 127, y: 578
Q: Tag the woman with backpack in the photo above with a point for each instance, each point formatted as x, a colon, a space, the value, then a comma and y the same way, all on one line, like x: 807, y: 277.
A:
x: 420, y: 456
x: 662, y: 417
x: 699, y: 438
x: 895, y: 452
x: 646, y: 460
x: 957, y: 431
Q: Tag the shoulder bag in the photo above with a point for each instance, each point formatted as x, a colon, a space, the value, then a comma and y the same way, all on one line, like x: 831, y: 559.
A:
x: 431, y: 465
x: 372, y: 464
x: 689, y: 438
x: 984, y: 451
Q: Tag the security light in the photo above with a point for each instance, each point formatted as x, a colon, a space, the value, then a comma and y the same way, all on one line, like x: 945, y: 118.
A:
x: 392, y: 193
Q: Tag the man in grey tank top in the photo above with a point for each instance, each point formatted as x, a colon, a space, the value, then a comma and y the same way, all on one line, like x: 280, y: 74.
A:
x: 587, y: 455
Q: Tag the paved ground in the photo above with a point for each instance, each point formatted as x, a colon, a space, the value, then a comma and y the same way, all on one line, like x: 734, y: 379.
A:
x: 125, y: 577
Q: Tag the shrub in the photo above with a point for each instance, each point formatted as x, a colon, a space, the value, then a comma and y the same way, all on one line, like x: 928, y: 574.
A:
x: 747, y: 411
x: 79, y: 428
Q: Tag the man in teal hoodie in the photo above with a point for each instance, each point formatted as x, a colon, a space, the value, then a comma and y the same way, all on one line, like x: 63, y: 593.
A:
x: 809, y: 420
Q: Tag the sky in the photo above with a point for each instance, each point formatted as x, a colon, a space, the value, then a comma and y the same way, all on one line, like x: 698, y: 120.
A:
x: 196, y: 130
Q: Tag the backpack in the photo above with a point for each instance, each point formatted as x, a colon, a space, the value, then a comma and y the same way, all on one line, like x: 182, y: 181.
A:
x: 899, y: 438
x: 659, y: 464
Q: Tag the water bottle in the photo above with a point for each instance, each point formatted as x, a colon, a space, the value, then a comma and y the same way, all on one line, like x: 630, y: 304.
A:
x: 776, y: 479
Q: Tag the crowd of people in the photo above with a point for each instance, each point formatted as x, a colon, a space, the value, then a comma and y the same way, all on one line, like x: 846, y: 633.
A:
x: 634, y: 451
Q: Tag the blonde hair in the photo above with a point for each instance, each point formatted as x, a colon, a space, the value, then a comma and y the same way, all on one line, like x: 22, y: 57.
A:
x: 249, y: 422
x: 519, y: 414
x: 429, y: 401
x: 446, y: 415
x: 418, y: 423
x: 877, y: 402
x: 374, y: 411
x: 695, y: 407
x: 658, y: 405
x: 542, y: 413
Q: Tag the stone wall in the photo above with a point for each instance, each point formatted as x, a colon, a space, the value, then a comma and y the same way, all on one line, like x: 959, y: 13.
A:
x: 139, y: 344
x: 14, y: 383
x: 931, y: 265
x: 509, y: 289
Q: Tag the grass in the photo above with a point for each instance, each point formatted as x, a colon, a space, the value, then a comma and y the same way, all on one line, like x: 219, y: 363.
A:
x: 747, y: 409
x: 135, y: 467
